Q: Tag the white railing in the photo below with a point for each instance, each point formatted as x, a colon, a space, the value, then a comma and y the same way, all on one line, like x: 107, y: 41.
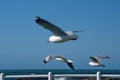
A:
x: 50, y: 76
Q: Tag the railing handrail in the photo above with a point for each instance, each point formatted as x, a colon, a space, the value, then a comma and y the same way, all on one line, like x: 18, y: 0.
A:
x: 111, y: 75
x: 25, y: 76
x: 98, y: 75
x: 74, y: 75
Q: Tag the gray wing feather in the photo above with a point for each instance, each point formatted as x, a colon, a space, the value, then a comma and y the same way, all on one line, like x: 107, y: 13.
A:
x: 57, y: 56
x: 68, y: 63
x: 54, y: 29
x: 94, y: 59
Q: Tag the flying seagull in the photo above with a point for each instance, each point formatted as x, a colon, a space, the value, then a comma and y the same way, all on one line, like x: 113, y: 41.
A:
x: 59, y: 35
x: 96, y: 61
x: 59, y: 58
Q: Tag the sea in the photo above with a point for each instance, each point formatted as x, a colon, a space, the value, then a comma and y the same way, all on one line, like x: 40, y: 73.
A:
x: 57, y: 71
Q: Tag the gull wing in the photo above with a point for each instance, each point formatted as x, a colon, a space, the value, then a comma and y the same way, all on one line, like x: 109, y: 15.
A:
x: 70, y: 65
x: 94, y: 59
x: 45, y: 24
x: 67, y: 61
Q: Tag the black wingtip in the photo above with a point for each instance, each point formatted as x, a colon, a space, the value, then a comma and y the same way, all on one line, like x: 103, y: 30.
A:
x: 73, y: 69
x: 71, y: 65
x: 103, y: 65
x: 44, y: 61
x: 37, y: 17
x: 90, y: 56
x: 108, y: 57
x: 78, y: 31
x: 40, y: 20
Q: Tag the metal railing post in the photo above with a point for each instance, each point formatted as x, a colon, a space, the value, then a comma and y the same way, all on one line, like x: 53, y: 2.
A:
x: 2, y: 76
x: 49, y: 76
x: 98, y: 76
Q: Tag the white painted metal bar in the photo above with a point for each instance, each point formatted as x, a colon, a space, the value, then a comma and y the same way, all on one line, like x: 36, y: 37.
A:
x: 26, y: 76
x: 74, y: 75
x: 111, y: 75
x: 98, y: 76
x: 50, y: 76
x: 2, y: 76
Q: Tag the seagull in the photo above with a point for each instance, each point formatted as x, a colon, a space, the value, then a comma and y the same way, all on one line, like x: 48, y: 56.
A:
x: 59, y: 36
x: 96, y: 61
x: 59, y: 58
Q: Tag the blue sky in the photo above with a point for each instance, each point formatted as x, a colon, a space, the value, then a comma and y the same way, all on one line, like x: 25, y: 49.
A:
x: 23, y: 43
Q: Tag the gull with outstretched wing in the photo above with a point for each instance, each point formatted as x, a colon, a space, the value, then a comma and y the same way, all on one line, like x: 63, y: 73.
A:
x: 96, y: 61
x: 59, y: 35
x: 59, y: 58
